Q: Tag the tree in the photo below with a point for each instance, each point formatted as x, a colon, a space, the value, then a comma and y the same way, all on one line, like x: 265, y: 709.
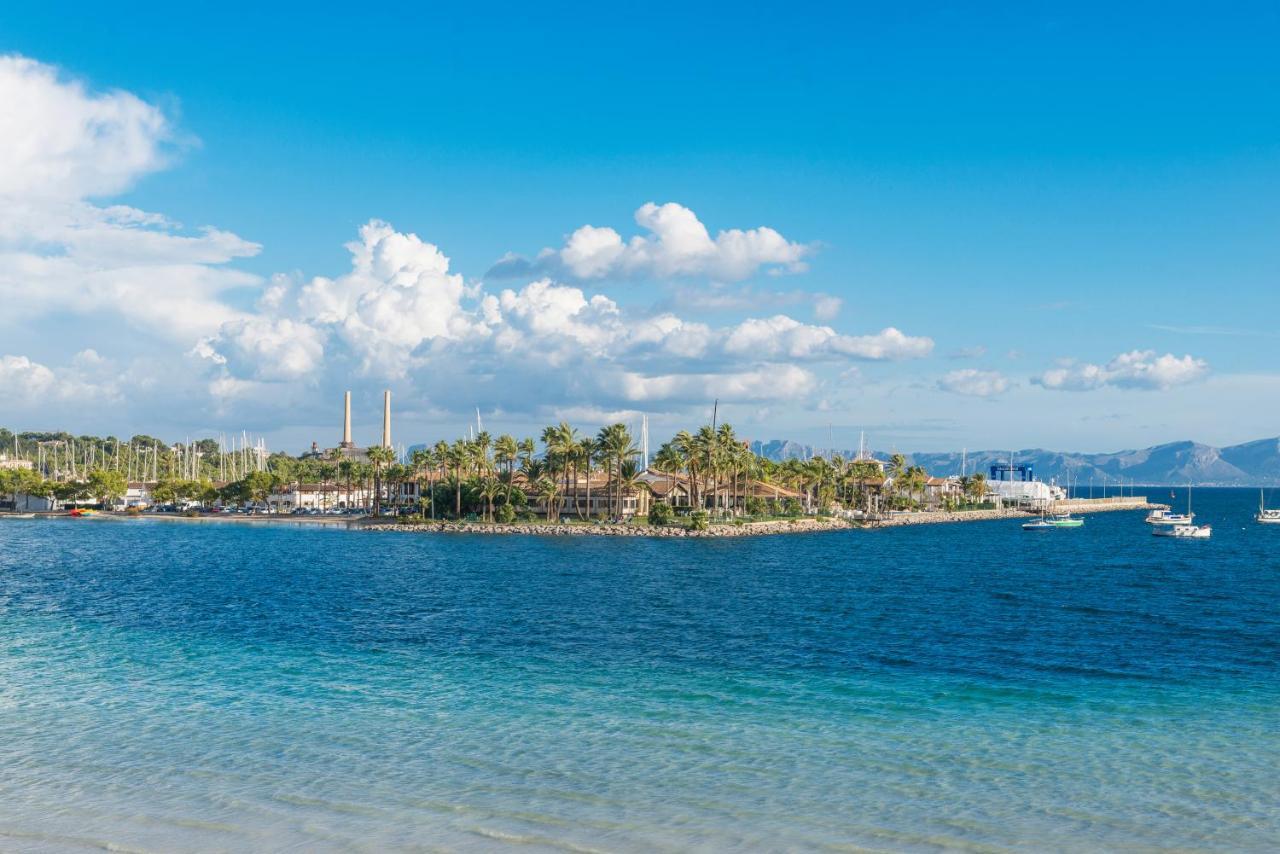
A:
x: 490, y: 488
x: 616, y: 447
x: 975, y: 487
x: 549, y: 491
x: 257, y: 487
x: 380, y: 457
x: 107, y: 486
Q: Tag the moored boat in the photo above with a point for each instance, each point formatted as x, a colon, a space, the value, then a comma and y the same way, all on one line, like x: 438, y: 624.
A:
x: 1165, y: 516
x: 1183, y: 532
x: 1050, y: 523
x: 1266, y: 516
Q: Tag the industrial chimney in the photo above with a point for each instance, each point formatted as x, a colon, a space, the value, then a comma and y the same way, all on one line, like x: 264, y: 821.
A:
x: 386, y: 419
x: 346, y: 422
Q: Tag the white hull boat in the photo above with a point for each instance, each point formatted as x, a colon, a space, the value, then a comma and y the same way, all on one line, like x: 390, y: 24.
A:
x: 1265, y: 516
x: 1183, y: 532
x: 1165, y: 517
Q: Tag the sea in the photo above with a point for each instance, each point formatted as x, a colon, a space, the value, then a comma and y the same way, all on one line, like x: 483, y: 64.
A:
x: 177, y: 686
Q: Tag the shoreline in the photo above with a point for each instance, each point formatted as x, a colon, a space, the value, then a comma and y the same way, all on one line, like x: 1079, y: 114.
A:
x: 800, y: 525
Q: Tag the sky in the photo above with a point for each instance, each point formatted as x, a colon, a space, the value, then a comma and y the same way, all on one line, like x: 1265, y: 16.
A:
x: 997, y: 226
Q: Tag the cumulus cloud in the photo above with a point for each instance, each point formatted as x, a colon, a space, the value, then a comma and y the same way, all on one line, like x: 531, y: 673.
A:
x: 402, y: 314
x: 783, y: 337
x: 24, y: 382
x: 974, y: 383
x: 676, y: 245
x: 61, y: 145
x: 191, y: 342
x: 1140, y: 369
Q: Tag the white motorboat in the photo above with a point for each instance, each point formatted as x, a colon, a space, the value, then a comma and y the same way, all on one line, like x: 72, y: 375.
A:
x: 1265, y: 516
x: 17, y: 515
x: 1165, y: 516
x: 1183, y: 532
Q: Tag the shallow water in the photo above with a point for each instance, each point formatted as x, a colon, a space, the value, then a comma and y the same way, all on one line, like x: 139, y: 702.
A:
x: 209, y: 687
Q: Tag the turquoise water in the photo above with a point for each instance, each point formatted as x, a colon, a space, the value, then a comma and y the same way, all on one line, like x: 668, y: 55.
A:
x: 171, y: 686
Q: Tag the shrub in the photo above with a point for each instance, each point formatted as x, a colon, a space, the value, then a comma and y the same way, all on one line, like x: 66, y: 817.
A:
x: 791, y: 507
x: 660, y: 514
x: 506, y: 514
x: 698, y: 520
x: 755, y: 506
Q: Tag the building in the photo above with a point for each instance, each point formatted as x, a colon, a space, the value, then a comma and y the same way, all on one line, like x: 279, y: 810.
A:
x: 941, y: 490
x: 319, y: 496
x: 1017, y: 486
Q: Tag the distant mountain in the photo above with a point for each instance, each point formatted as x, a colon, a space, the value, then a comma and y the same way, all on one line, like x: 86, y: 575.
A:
x: 1177, y: 463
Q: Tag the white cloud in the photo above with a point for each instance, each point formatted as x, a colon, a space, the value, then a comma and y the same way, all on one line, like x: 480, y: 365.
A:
x: 1140, y: 369
x: 25, y: 383
x: 401, y: 315
x: 191, y: 344
x: 974, y: 383
x: 61, y: 141
x: 60, y: 145
x: 783, y: 337
x: 676, y: 245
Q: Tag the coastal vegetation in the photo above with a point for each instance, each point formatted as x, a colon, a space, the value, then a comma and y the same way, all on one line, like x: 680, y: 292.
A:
x: 566, y: 474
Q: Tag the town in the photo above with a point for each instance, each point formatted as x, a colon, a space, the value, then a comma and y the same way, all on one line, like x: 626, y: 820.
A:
x: 696, y: 478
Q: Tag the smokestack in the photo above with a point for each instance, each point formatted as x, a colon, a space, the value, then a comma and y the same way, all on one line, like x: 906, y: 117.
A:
x: 346, y: 421
x: 386, y: 419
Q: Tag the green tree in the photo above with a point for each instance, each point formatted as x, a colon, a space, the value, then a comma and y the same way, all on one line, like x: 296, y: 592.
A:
x: 380, y: 457
x: 107, y: 486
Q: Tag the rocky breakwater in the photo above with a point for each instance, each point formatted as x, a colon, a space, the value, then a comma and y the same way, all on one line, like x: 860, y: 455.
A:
x: 936, y: 517
x: 747, y: 529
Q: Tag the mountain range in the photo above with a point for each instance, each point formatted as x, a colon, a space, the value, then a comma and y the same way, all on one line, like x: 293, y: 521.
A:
x: 1174, y: 464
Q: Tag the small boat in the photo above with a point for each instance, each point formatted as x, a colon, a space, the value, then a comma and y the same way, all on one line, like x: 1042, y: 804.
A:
x: 1265, y: 516
x: 17, y: 515
x: 78, y: 512
x: 1164, y: 516
x: 1183, y: 532
x: 1049, y: 523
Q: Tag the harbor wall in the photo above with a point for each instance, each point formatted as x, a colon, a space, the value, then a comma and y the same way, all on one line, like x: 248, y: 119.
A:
x: 1099, y: 505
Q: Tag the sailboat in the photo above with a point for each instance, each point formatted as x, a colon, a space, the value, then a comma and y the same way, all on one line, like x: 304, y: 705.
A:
x: 1265, y: 516
x: 1183, y: 530
x: 1049, y: 523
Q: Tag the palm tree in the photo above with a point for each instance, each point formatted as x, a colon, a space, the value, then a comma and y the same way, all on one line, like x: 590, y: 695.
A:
x: 505, y: 452
x: 587, y: 451
x: 616, y: 447
x: 457, y: 455
x: 549, y: 491
x: 379, y: 457
x: 490, y: 488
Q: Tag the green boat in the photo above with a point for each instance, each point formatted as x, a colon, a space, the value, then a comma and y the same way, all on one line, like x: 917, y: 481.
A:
x: 1058, y: 520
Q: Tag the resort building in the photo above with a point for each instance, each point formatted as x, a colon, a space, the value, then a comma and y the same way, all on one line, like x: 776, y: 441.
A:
x: 319, y: 496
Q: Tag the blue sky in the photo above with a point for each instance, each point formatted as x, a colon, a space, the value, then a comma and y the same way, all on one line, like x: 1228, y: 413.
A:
x: 1077, y: 208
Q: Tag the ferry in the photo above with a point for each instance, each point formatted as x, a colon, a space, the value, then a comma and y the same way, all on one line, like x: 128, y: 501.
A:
x: 1265, y: 516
